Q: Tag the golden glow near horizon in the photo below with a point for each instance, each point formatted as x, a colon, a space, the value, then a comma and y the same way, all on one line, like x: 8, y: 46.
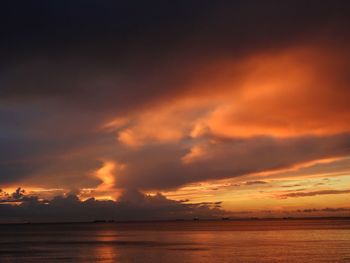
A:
x: 303, y: 187
x: 273, y: 195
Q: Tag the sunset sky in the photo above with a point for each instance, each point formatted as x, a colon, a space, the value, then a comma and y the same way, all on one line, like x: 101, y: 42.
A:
x: 174, y: 109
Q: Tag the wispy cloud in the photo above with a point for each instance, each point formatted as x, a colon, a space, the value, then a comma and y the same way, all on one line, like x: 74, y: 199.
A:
x: 313, y: 193
x: 327, y: 209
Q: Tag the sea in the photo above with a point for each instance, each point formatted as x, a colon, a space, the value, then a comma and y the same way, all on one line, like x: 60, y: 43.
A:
x: 268, y: 240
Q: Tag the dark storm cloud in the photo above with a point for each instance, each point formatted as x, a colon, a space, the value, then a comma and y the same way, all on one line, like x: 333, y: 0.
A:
x: 32, y: 138
x: 133, y: 205
x: 114, y: 54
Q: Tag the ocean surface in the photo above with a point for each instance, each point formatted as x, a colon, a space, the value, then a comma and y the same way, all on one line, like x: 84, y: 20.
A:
x: 326, y: 240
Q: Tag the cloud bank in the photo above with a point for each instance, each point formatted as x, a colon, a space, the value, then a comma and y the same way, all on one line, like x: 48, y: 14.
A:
x: 132, y: 205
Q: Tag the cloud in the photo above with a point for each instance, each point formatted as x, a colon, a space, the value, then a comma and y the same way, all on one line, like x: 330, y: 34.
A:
x: 107, y: 63
x: 313, y: 193
x: 291, y: 185
x: 248, y: 183
x: 255, y: 182
x: 327, y: 209
x: 132, y: 205
x: 277, y: 96
x: 177, y: 92
x: 163, y: 165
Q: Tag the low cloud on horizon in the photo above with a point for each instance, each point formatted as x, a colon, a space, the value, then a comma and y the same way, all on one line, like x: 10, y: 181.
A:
x: 20, y: 207
x: 132, y: 205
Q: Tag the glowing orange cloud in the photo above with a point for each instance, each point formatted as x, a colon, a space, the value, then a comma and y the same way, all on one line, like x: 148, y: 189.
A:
x: 107, y: 175
x: 294, y: 92
x: 163, y: 123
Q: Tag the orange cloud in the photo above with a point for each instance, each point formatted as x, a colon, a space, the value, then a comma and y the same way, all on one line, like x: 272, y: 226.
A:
x: 107, y: 174
x: 313, y: 193
x: 196, y: 152
x: 163, y: 123
x: 295, y: 92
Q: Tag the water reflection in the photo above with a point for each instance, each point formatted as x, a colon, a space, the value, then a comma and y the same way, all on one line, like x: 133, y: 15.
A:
x: 105, y: 251
x: 178, y: 242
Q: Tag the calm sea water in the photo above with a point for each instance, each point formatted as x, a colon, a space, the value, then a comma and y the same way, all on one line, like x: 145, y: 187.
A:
x: 197, y: 241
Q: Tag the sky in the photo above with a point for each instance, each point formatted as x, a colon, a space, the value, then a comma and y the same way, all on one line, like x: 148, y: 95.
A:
x: 162, y: 110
